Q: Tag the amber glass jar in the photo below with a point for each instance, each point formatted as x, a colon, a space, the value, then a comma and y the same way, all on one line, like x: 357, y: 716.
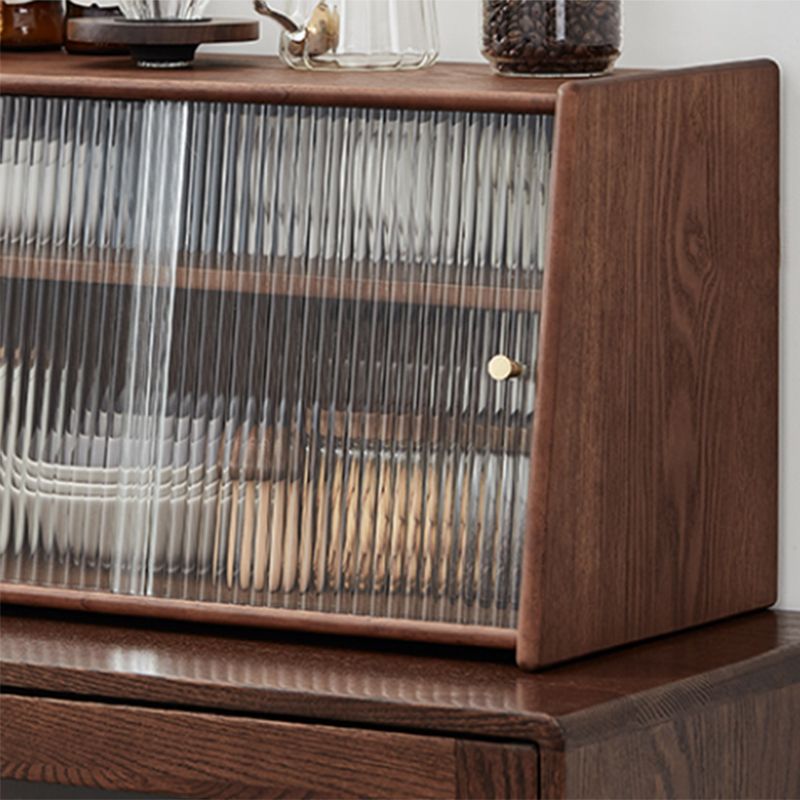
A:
x: 83, y: 9
x: 552, y: 37
x: 37, y: 25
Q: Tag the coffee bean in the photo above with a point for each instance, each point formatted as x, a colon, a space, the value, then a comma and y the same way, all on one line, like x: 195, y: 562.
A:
x: 552, y: 36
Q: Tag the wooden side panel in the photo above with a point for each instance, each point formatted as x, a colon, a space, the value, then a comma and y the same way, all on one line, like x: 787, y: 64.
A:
x: 202, y: 755
x: 655, y: 447
x: 748, y: 748
x: 730, y: 732
x: 496, y: 770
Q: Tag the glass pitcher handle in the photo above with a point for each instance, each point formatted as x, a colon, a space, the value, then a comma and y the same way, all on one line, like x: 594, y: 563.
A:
x: 284, y: 20
x: 320, y: 34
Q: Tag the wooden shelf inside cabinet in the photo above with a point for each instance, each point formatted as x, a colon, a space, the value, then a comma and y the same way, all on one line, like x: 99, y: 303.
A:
x: 461, y: 288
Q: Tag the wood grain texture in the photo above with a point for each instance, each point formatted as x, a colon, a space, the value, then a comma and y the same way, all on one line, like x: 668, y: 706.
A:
x: 747, y: 746
x: 201, y: 755
x: 258, y: 616
x: 706, y: 713
x: 373, y: 683
x: 654, y: 499
x: 499, y: 771
x: 249, y: 79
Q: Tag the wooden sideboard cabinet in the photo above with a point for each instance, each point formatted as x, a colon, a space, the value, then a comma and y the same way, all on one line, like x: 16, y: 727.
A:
x: 435, y: 356
x: 187, y: 711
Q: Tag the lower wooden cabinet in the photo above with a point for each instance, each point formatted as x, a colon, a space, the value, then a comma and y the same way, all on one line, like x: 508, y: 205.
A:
x: 93, y: 705
x: 193, y: 754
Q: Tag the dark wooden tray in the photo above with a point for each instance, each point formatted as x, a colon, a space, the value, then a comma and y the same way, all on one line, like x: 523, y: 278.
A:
x: 165, y: 44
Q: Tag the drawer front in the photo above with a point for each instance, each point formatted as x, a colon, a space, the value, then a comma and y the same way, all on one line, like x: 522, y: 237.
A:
x: 191, y: 754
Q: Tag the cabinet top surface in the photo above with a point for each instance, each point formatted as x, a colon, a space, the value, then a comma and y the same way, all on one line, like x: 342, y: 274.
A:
x: 382, y: 684
x: 262, y: 79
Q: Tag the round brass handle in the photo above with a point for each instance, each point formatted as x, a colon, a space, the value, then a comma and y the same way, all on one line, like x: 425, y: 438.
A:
x: 501, y: 368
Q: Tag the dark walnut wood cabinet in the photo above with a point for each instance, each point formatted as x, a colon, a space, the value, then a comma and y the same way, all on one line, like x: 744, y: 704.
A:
x: 365, y: 470
x: 180, y: 710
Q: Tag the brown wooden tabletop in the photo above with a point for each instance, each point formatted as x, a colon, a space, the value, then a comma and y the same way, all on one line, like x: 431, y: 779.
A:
x: 265, y: 79
x: 411, y: 689
x: 425, y: 687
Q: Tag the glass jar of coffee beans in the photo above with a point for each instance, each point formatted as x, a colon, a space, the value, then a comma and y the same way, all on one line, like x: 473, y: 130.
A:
x: 552, y: 37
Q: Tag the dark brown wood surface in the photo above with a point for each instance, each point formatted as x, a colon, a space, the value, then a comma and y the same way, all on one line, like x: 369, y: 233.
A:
x: 495, y: 770
x: 709, y: 712
x: 203, y: 611
x: 423, y: 687
x: 191, y: 754
x: 105, y: 30
x: 259, y: 79
x: 654, y: 499
x: 746, y: 747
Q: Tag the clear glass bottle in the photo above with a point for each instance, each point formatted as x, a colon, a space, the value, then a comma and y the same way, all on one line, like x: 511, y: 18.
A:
x: 552, y: 37
x: 37, y: 25
x: 355, y: 34
x: 83, y: 9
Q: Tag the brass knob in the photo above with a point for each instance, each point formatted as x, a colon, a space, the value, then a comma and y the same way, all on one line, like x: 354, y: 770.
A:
x: 501, y: 368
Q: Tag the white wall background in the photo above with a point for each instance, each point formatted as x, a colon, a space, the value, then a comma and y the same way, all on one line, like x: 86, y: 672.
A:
x: 665, y: 33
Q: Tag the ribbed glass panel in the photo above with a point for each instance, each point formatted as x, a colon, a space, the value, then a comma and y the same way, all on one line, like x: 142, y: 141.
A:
x: 243, y: 353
